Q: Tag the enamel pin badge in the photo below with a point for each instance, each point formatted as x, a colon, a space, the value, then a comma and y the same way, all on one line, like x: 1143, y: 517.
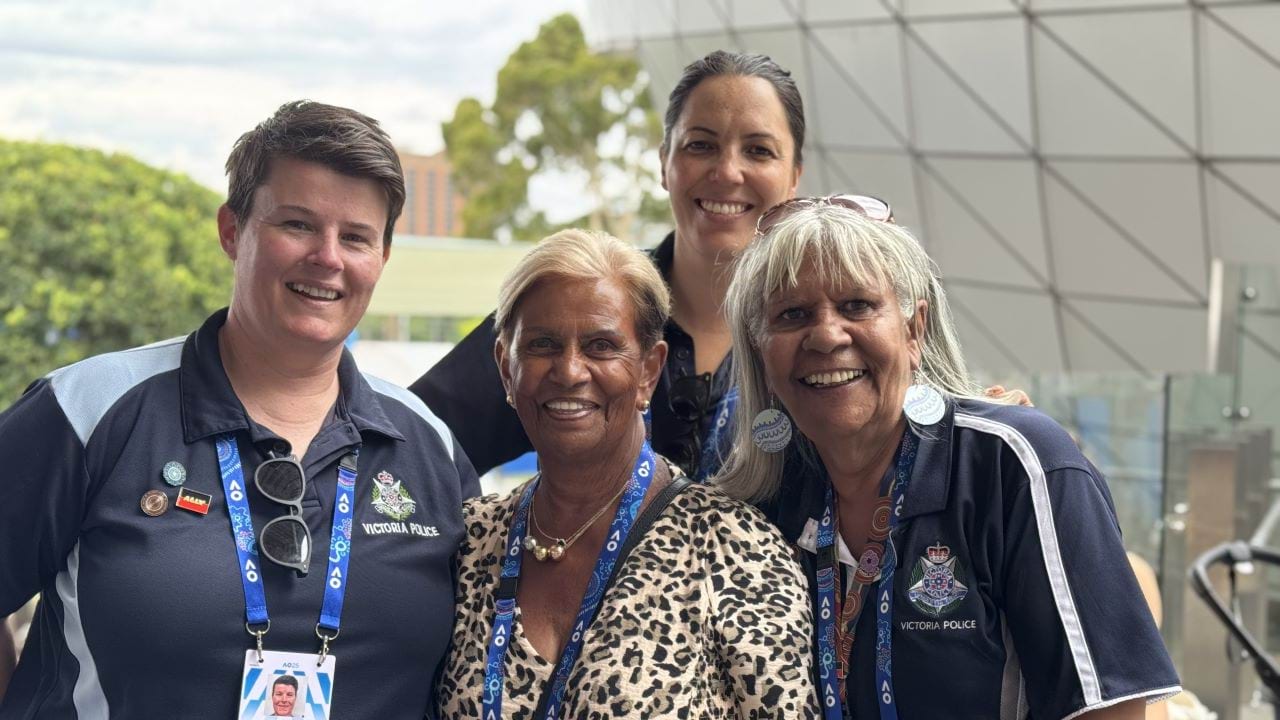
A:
x: 196, y: 502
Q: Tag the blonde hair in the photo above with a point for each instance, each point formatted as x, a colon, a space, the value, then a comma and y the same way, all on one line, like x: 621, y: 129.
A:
x: 833, y: 245
x: 587, y: 255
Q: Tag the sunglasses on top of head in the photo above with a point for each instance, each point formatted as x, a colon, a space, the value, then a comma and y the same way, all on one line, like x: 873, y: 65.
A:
x: 873, y: 208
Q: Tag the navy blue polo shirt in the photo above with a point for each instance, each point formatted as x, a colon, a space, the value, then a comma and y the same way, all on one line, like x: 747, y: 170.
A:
x: 1013, y: 597
x: 144, y: 616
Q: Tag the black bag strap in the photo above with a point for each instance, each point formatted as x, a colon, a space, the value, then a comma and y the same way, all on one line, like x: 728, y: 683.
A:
x: 647, y: 518
x: 638, y: 530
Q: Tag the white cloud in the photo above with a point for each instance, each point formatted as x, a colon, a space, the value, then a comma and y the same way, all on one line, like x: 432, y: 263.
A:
x: 176, y: 82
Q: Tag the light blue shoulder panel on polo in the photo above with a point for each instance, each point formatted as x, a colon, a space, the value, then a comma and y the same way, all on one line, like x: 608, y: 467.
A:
x: 87, y: 390
x: 414, y: 403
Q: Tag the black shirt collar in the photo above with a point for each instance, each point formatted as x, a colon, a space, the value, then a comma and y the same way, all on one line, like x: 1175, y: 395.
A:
x: 663, y: 255
x: 210, y: 407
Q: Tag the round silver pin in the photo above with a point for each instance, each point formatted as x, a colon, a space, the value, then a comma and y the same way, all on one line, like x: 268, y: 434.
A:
x: 174, y: 473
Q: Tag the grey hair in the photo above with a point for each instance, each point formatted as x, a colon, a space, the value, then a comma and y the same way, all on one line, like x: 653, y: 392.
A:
x: 587, y: 255
x: 844, y: 247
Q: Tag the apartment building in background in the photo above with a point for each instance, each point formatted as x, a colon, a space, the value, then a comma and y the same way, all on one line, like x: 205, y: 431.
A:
x: 432, y: 206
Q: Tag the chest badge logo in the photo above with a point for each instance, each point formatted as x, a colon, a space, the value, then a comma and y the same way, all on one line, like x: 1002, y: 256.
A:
x: 391, y: 498
x: 937, y: 583
x: 174, y: 473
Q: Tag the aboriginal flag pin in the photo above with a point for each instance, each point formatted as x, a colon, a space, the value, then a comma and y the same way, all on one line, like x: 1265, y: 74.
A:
x: 196, y: 502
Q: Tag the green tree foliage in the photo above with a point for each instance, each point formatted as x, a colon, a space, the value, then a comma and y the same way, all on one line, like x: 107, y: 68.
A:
x: 559, y: 107
x: 98, y: 253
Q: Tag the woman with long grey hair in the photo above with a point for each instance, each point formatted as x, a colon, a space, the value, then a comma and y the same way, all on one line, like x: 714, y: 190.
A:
x: 983, y: 545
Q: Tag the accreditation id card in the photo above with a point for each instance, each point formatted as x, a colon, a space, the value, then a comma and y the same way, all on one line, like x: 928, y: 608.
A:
x: 286, y: 685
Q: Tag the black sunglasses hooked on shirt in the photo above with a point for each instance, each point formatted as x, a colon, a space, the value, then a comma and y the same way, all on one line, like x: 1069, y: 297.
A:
x: 690, y: 398
x: 285, y: 540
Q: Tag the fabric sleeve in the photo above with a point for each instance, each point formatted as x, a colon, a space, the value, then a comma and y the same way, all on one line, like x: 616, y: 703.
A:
x: 1084, y: 635
x: 43, y: 494
x: 465, y: 390
x: 468, y: 480
x: 761, y: 621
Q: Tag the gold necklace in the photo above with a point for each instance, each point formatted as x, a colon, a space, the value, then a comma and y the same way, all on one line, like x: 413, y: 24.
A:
x: 542, y: 552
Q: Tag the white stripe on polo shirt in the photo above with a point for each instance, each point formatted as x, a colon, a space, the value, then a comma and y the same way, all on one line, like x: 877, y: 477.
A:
x: 87, y: 695
x: 1087, y: 673
x: 86, y: 391
x: 414, y: 403
x: 1013, y: 689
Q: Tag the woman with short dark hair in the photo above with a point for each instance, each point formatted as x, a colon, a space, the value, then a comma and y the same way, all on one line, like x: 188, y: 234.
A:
x: 235, y: 504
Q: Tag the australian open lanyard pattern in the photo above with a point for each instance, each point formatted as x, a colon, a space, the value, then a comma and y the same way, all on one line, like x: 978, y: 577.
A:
x: 829, y: 647
x: 712, y: 447
x: 505, y: 598
x: 255, y: 598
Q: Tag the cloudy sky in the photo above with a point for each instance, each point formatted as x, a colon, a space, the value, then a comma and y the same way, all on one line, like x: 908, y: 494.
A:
x: 174, y: 82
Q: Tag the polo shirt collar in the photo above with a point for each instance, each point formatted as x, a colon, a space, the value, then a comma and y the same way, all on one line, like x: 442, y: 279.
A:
x: 210, y: 407
x: 801, y: 495
x: 931, y: 475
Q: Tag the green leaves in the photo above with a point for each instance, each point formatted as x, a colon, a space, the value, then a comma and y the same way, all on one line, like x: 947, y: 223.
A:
x: 97, y: 253
x: 558, y: 107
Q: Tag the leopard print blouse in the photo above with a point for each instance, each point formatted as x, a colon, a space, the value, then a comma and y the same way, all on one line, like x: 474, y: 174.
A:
x: 709, y: 618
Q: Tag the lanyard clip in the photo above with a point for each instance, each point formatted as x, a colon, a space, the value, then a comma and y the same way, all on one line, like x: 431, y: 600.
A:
x: 827, y: 556
x: 257, y: 634
x: 324, y: 643
x: 348, y: 461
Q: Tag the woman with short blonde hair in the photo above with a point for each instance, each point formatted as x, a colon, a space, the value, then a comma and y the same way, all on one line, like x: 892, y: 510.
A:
x: 610, y: 586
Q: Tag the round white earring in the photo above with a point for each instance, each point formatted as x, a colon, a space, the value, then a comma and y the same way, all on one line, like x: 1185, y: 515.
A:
x: 923, y: 404
x: 771, y: 430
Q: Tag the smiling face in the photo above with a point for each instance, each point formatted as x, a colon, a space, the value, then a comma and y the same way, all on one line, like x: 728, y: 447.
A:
x: 840, y: 359
x: 731, y: 157
x: 308, y: 256
x: 576, y: 369
x: 283, y: 697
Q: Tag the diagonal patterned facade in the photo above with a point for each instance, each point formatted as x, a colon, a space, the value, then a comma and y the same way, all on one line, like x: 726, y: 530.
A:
x: 1075, y: 166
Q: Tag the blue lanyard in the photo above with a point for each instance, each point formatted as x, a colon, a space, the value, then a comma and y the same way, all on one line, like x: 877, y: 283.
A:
x: 505, y: 598
x: 826, y: 577
x: 255, y: 598
x: 712, y: 457
x: 721, y: 428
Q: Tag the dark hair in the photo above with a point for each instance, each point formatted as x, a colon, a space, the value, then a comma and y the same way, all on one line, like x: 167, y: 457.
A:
x: 341, y: 139
x: 722, y: 62
x: 286, y: 680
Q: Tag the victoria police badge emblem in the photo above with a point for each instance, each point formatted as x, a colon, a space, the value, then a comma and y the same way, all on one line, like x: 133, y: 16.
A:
x: 937, y: 585
x: 390, y: 498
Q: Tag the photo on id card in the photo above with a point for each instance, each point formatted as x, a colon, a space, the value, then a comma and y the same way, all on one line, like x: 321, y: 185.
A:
x: 285, y: 685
